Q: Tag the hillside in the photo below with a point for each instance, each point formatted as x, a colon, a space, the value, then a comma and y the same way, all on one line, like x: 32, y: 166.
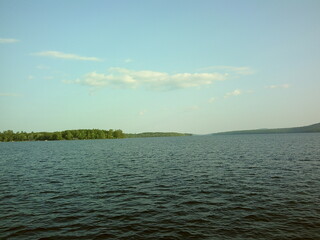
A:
x: 156, y: 134
x: 305, y: 129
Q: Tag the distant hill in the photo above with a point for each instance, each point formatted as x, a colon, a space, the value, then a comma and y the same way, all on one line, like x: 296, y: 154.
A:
x: 156, y: 134
x: 306, y: 129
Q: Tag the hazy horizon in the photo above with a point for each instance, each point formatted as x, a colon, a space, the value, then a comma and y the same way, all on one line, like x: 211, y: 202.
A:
x: 197, y: 67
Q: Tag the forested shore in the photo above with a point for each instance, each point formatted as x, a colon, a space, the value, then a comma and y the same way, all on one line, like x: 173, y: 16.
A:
x: 81, y: 134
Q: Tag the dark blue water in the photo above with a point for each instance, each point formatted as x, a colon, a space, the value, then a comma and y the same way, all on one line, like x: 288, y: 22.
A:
x: 206, y: 187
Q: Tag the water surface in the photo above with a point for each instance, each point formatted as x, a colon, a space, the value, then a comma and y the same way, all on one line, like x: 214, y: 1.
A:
x: 201, y: 187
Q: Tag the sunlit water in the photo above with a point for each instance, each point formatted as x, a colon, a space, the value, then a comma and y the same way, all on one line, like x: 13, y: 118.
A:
x: 201, y: 187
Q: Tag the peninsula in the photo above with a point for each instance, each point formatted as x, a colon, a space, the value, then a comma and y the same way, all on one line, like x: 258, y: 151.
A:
x: 80, y: 134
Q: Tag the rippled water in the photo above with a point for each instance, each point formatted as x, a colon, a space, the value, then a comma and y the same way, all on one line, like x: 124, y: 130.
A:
x: 206, y: 187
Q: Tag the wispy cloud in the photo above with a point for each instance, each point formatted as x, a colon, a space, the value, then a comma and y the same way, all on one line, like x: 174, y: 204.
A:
x: 125, y: 78
x: 10, y: 95
x: 236, y: 92
x: 128, y: 60
x: 42, y: 67
x: 231, y: 70
x: 8, y: 40
x: 278, y: 86
x: 192, y: 108
x: 62, y: 55
x: 142, y: 112
x: 211, y: 100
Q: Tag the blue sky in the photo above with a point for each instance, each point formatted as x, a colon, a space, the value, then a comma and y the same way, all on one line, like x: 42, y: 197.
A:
x: 148, y: 65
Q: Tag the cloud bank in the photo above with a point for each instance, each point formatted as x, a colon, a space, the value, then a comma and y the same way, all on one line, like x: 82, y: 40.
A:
x: 62, y: 55
x: 125, y: 78
x: 8, y: 40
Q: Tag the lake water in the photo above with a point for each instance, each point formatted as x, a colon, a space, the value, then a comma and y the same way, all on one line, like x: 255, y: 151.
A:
x: 200, y: 187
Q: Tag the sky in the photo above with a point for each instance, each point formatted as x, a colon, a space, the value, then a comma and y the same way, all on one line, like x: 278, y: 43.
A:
x: 194, y: 66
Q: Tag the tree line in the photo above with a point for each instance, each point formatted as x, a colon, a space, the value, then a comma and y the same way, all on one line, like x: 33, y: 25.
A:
x: 81, y: 134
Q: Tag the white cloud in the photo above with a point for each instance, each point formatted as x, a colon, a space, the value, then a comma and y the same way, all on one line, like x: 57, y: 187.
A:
x: 278, y: 86
x: 125, y: 78
x: 9, y: 95
x: 56, y: 54
x: 8, y: 40
x: 236, y: 92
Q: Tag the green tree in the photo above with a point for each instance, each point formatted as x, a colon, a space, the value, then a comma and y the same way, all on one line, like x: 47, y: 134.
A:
x: 110, y: 133
x: 8, y: 136
x: 118, y: 134
x: 56, y: 136
x: 30, y: 136
x: 68, y: 135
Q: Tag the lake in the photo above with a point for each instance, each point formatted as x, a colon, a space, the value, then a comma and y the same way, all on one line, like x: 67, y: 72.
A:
x: 201, y: 187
